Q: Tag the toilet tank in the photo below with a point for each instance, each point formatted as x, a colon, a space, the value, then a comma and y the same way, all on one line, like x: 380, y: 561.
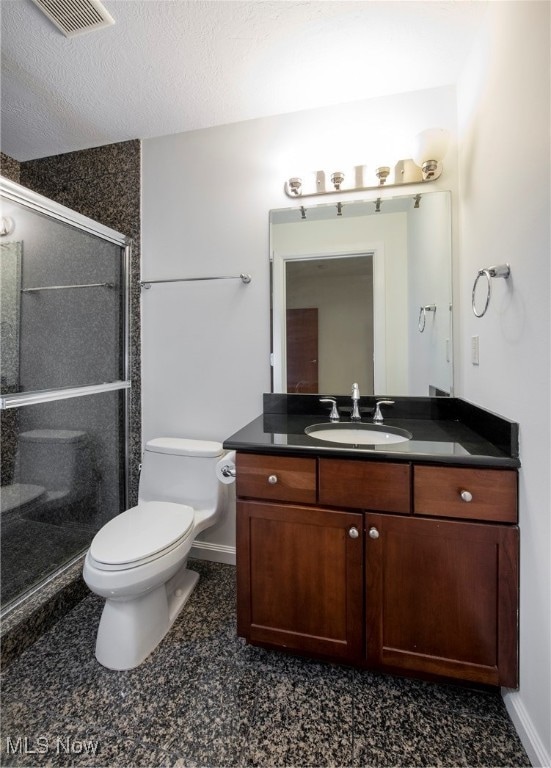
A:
x: 181, y: 470
x: 57, y: 460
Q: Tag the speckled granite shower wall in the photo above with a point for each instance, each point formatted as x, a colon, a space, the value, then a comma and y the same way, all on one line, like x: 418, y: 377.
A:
x: 104, y: 184
x: 10, y: 169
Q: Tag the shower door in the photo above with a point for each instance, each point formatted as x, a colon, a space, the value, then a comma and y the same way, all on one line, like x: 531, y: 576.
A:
x: 64, y: 385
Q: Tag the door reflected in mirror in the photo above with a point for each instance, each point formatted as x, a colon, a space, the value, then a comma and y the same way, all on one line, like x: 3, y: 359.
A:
x: 348, y: 285
x: 329, y: 323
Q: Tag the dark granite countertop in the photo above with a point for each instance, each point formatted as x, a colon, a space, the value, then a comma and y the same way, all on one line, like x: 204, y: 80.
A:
x: 442, y: 432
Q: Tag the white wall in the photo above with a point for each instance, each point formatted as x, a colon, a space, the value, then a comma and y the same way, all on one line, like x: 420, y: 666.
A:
x: 206, y: 197
x: 504, y: 136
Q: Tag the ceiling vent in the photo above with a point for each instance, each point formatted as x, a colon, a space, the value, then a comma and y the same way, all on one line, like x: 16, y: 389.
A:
x: 73, y: 17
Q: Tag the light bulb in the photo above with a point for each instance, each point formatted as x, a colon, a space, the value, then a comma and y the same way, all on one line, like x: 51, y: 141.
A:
x: 430, y: 148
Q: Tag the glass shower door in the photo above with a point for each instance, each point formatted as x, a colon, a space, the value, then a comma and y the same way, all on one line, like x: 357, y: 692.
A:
x: 64, y: 380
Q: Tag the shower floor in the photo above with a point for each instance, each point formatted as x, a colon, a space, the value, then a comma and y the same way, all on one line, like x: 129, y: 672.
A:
x: 31, y: 550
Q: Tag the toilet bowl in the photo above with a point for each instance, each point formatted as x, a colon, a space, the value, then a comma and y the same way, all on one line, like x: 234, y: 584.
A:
x: 138, y: 560
x: 54, y: 470
x: 19, y: 498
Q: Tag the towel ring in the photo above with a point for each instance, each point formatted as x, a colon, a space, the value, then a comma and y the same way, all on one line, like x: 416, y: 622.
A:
x: 423, y: 316
x: 503, y: 270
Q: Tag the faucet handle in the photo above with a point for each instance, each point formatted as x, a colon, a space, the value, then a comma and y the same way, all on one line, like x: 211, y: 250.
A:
x: 378, y: 416
x: 334, y: 415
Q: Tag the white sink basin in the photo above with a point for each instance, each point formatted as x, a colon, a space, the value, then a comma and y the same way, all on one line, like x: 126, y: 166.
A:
x: 351, y: 433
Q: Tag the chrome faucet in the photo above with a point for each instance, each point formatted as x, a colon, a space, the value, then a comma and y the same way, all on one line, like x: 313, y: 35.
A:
x: 334, y: 415
x: 378, y: 416
x: 355, y: 403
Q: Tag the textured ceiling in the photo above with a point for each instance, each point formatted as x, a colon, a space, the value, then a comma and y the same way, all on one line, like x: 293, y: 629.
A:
x: 176, y: 65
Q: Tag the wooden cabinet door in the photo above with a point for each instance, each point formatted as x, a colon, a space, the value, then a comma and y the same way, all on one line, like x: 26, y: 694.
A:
x: 300, y: 578
x: 442, y: 598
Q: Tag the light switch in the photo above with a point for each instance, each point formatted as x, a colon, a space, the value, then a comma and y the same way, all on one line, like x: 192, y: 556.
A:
x: 475, y: 358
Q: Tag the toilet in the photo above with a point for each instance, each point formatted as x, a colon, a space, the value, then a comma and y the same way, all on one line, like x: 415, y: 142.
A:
x: 138, y: 560
x: 54, y: 469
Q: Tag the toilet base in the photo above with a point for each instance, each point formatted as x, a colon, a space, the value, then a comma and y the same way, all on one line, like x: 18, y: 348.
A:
x: 130, y: 630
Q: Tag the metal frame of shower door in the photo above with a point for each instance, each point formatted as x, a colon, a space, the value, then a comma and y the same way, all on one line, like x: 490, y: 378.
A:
x: 26, y: 197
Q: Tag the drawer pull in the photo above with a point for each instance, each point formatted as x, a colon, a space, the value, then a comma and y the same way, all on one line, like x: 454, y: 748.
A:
x: 373, y: 533
x: 466, y: 496
x: 353, y: 532
x: 272, y: 479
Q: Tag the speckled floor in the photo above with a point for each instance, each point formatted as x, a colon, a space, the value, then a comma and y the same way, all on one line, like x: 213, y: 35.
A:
x: 204, y: 698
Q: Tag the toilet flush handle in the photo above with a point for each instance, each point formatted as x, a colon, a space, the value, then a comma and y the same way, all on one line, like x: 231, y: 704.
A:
x: 227, y: 470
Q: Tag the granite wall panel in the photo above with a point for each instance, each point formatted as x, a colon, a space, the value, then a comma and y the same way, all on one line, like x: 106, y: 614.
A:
x: 10, y: 169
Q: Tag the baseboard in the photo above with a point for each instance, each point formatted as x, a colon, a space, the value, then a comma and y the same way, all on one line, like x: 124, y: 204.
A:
x: 217, y: 553
x: 524, y: 726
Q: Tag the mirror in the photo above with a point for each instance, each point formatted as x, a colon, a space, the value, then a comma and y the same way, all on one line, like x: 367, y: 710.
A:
x: 361, y: 292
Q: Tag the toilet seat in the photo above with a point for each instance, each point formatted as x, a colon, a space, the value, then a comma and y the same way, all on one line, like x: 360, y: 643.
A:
x: 141, y: 534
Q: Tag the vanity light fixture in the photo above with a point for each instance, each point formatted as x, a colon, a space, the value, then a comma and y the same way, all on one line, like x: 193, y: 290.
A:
x: 382, y: 173
x: 430, y: 147
x: 337, y: 178
x: 294, y: 185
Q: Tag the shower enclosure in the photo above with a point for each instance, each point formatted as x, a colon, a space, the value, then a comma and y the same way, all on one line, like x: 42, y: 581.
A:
x: 64, y: 370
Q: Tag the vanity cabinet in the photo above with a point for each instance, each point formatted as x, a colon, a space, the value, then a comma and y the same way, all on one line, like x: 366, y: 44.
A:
x: 299, y: 568
x: 300, y: 578
x: 441, y: 598
x: 404, y: 567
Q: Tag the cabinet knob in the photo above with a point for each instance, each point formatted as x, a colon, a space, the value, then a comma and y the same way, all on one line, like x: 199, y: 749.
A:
x: 466, y: 495
x: 373, y: 533
x: 272, y: 479
x: 353, y: 532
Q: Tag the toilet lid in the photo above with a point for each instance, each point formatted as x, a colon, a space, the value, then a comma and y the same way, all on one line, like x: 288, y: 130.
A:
x: 141, y: 532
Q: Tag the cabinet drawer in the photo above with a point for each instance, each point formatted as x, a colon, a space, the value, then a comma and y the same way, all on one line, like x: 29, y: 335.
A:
x: 488, y: 494
x: 277, y: 478
x: 376, y: 485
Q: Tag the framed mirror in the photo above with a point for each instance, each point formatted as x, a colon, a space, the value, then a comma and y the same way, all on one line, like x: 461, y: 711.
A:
x: 362, y: 292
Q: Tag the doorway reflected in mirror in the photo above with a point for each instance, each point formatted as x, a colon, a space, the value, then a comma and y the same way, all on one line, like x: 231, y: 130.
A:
x: 329, y: 324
